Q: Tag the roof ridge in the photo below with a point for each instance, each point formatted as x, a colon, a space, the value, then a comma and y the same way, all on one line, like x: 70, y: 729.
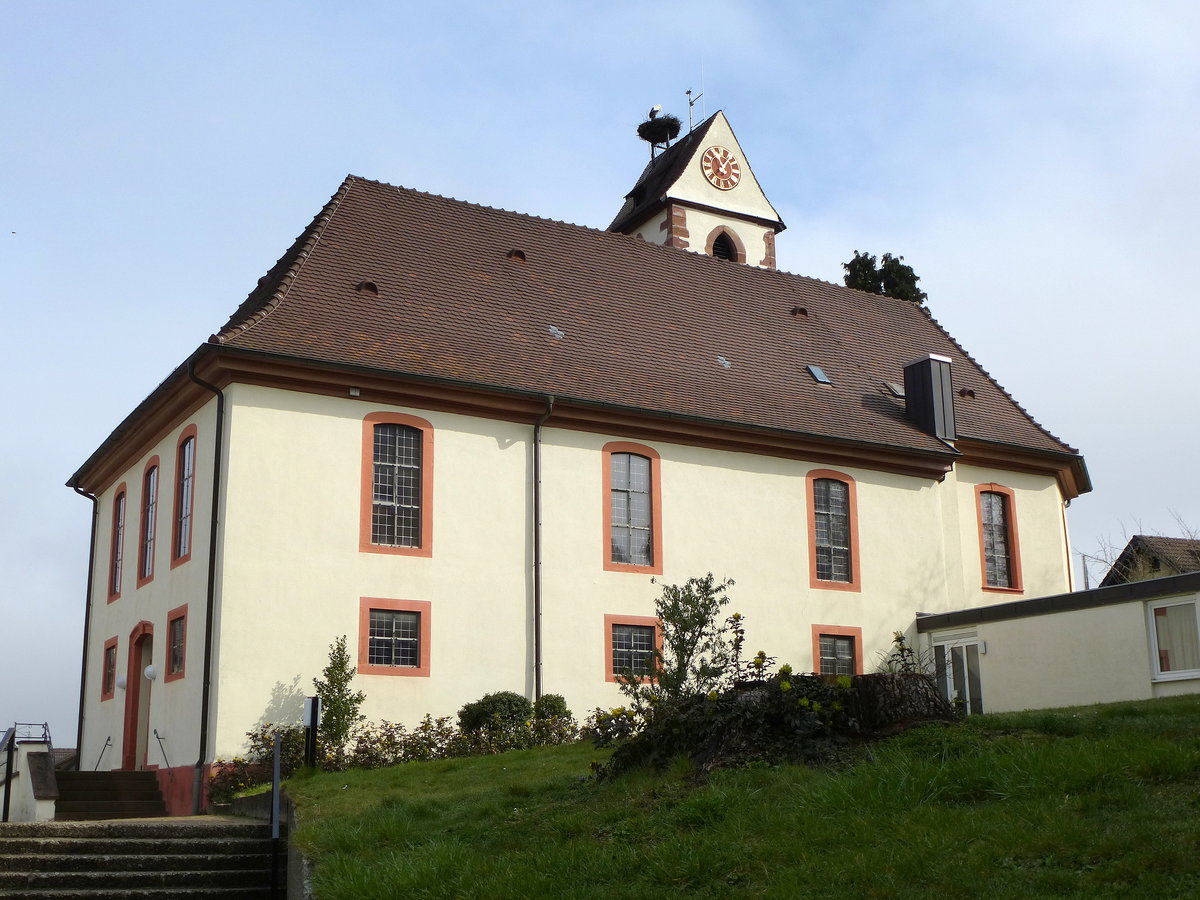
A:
x: 1013, y: 400
x: 272, y: 291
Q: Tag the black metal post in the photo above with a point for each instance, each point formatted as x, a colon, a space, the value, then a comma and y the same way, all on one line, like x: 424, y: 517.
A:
x: 275, y: 816
x: 8, y: 770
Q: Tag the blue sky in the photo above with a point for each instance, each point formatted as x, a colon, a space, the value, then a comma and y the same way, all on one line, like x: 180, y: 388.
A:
x: 1036, y: 164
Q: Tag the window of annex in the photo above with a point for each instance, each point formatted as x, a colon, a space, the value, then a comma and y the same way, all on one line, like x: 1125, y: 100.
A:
x: 832, y: 531
x: 999, y: 549
x: 148, y: 522
x: 108, y: 670
x: 837, y: 650
x: 393, y: 637
x: 176, y: 643
x: 116, y: 550
x: 629, y: 645
x: 632, y: 508
x: 1175, y: 639
x: 397, y: 485
x: 185, y: 494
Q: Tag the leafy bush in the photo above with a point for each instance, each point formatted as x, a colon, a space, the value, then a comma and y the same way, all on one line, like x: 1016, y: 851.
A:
x: 781, y: 718
x: 339, y: 705
x: 551, y: 706
x: 503, y: 710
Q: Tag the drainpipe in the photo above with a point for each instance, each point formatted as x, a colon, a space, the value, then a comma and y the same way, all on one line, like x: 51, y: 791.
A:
x: 87, y: 626
x: 537, y: 548
x: 218, y: 442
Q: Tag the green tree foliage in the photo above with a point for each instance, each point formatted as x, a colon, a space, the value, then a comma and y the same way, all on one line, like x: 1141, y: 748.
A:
x: 339, y: 704
x: 503, y: 710
x: 698, y: 648
x: 891, y: 277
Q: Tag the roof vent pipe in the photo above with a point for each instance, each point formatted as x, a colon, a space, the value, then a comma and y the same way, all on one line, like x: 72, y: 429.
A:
x: 929, y: 396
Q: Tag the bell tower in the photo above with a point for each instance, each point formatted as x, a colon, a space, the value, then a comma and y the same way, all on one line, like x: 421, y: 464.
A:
x: 699, y: 194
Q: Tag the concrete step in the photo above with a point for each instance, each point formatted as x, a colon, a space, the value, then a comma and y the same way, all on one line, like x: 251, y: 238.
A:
x: 163, y: 860
x: 189, y: 857
x: 108, y: 795
x: 176, y: 893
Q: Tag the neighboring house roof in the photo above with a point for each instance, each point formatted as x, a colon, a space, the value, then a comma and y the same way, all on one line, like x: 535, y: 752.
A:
x: 1147, y: 556
x: 491, y: 299
x: 1152, y: 589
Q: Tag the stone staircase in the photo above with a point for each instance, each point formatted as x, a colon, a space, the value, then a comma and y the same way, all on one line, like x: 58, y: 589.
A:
x: 202, y: 856
x: 107, y: 795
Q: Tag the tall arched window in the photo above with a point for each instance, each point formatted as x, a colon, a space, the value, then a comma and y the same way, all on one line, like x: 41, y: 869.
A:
x: 397, y: 491
x: 149, y: 519
x: 999, y: 550
x: 832, y: 531
x: 632, y: 517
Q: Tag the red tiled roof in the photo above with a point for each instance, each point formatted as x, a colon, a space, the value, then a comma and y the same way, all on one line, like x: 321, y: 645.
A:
x: 643, y: 325
x: 1170, y: 555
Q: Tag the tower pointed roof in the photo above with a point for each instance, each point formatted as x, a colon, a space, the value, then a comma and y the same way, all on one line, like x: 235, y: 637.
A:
x: 675, y: 176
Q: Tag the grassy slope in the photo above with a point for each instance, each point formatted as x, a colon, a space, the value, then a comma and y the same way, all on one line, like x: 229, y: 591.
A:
x: 1095, y: 801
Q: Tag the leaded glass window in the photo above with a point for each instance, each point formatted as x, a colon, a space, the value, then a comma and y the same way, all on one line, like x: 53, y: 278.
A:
x: 633, y: 649
x: 184, y: 490
x: 149, y: 508
x: 632, y: 515
x: 175, y: 650
x: 110, y: 670
x: 395, y: 638
x: 118, y: 544
x: 396, y: 487
x: 837, y: 655
x: 996, y: 552
x: 831, y: 517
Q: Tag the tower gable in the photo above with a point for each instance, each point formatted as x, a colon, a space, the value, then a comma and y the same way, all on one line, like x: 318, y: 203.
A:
x: 701, y: 194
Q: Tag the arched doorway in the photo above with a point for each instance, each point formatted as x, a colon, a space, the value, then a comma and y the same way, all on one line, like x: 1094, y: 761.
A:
x: 137, y: 697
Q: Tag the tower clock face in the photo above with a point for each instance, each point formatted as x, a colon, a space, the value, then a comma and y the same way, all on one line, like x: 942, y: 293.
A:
x: 721, y: 168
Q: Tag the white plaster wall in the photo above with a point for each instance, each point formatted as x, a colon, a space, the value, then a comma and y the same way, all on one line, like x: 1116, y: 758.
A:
x: 175, y: 705
x: 1098, y: 655
x: 652, y: 231
x: 700, y: 224
x: 293, y: 574
x: 1040, y: 531
x: 747, y: 197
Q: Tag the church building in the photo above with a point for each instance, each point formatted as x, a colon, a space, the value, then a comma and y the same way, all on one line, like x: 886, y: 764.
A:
x: 468, y: 439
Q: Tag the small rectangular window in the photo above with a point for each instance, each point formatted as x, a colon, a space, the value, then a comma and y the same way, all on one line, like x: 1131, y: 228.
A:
x: 395, y: 638
x: 1176, y: 640
x: 176, y: 637
x: 633, y: 649
x: 108, y: 674
x: 837, y: 655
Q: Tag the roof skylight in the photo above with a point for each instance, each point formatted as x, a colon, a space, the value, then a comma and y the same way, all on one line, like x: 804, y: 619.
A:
x: 819, y: 375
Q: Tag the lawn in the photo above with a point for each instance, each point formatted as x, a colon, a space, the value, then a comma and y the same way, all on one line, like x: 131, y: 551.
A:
x: 1090, y: 802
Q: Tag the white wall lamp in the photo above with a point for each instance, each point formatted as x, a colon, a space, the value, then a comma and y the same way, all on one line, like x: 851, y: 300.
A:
x: 150, y: 672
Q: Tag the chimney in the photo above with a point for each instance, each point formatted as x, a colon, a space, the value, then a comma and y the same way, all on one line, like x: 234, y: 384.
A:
x: 929, y: 397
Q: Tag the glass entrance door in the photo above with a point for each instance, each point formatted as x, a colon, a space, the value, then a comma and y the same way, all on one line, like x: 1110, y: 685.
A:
x: 957, y: 673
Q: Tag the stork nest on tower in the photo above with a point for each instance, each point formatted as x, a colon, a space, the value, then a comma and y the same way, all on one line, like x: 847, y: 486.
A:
x: 659, y: 129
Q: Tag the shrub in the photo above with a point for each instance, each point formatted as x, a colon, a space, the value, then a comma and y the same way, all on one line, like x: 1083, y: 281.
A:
x: 551, y: 706
x: 503, y: 710
x: 339, y: 705
x: 781, y: 718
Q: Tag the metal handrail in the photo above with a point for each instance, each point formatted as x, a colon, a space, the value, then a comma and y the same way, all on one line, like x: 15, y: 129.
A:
x: 107, y: 744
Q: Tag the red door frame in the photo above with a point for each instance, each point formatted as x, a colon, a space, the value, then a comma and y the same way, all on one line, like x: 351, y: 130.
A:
x: 133, y: 693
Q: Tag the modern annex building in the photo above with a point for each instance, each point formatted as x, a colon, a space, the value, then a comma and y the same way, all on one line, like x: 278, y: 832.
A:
x: 467, y: 438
